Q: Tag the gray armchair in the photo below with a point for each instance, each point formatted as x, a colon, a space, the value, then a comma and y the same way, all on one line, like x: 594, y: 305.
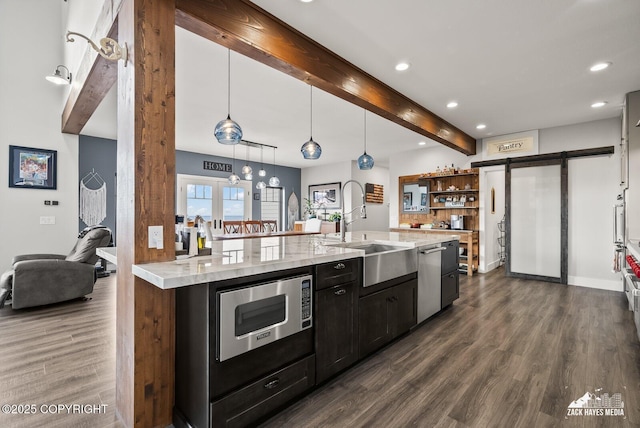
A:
x: 42, y: 279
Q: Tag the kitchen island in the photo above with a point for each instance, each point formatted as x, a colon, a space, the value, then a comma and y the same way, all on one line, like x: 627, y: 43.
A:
x: 245, y: 257
x: 262, y: 321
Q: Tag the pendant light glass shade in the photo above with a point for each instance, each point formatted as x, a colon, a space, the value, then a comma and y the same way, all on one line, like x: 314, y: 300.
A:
x: 365, y: 161
x: 233, y: 178
x: 227, y: 131
x: 247, y: 171
x: 311, y: 149
x: 262, y: 173
x: 274, y: 181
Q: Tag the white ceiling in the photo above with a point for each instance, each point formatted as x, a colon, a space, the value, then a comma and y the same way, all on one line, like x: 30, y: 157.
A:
x: 514, y: 65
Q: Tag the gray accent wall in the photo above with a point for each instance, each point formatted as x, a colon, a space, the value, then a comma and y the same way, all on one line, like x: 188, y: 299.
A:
x: 100, y: 154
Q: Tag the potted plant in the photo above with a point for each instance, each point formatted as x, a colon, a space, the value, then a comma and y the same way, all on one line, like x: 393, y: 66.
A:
x: 335, y: 216
x: 309, y: 208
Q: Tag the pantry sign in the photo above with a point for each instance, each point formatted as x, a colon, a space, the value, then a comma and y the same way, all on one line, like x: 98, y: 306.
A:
x: 513, y: 145
x: 517, y: 145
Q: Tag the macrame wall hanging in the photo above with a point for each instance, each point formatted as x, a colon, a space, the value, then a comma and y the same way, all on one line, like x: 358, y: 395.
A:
x: 93, y: 200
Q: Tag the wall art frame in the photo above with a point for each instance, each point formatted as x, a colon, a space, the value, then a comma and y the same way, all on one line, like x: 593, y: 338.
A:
x: 31, y: 168
x: 326, y: 195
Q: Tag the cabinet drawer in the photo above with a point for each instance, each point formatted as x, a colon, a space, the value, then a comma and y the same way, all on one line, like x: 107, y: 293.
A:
x: 334, y: 273
x: 450, y: 289
x: 258, y: 399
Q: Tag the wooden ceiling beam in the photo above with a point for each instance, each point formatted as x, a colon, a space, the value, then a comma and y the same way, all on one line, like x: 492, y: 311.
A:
x: 95, y: 75
x: 244, y: 27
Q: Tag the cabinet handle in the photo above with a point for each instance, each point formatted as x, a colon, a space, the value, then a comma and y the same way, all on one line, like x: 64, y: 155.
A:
x: 340, y: 292
x: 272, y: 384
x: 339, y: 266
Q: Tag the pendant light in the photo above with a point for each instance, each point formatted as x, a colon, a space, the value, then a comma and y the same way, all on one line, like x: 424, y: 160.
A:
x: 262, y: 173
x: 274, y: 181
x: 227, y: 131
x: 233, y: 178
x: 365, y: 161
x: 311, y: 149
x: 247, y: 171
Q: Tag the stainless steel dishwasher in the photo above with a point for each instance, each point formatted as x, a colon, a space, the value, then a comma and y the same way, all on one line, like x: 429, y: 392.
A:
x: 429, y: 277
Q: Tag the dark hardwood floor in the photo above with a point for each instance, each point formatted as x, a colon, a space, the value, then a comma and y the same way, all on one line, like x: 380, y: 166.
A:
x: 61, y: 354
x: 508, y: 353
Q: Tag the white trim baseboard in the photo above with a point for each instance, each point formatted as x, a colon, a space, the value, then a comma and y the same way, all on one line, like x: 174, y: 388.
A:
x: 602, y: 284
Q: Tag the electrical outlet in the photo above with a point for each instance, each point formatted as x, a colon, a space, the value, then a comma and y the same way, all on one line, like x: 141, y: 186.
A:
x: 47, y: 220
x: 155, y: 237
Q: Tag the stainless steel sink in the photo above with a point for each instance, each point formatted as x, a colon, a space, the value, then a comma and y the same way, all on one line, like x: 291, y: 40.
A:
x: 383, y: 262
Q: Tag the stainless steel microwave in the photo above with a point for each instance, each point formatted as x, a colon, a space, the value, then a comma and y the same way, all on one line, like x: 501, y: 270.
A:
x: 256, y: 315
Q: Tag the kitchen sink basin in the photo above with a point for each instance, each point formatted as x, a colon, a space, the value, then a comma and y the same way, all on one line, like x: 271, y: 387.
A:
x: 383, y: 262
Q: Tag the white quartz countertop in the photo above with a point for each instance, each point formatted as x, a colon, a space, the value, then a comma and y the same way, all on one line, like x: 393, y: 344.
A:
x: 242, y: 257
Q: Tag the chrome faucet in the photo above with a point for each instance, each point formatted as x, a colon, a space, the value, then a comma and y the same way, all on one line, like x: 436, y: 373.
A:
x: 363, y: 209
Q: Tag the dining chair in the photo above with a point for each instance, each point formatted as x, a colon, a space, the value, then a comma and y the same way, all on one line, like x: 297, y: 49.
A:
x: 270, y: 226
x: 313, y: 225
x: 233, y: 226
x: 253, y: 226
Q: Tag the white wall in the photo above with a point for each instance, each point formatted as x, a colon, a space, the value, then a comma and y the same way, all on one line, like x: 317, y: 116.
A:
x: 593, y: 187
x: 337, y: 173
x: 30, y: 112
x: 377, y: 214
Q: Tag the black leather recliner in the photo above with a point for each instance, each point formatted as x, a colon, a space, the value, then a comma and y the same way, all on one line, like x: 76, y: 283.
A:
x: 42, y: 279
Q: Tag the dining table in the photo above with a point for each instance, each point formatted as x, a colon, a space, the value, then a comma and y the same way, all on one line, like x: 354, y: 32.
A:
x: 262, y: 235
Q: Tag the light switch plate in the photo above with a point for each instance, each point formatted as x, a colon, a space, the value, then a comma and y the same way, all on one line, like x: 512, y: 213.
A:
x: 155, y: 237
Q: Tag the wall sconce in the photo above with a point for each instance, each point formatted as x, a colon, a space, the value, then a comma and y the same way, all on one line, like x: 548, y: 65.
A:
x: 58, y: 78
x: 110, y: 49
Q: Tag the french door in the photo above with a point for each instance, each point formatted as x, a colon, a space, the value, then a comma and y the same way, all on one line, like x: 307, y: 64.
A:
x: 214, y: 199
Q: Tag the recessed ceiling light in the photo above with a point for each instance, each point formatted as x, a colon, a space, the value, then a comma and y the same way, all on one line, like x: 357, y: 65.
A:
x: 481, y: 126
x: 306, y: 1
x: 600, y: 66
x: 422, y: 143
x: 452, y: 104
x: 402, y: 66
x: 599, y: 104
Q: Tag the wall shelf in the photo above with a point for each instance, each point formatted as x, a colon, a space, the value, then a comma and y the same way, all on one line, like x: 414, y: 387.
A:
x: 437, y: 214
x: 438, y: 192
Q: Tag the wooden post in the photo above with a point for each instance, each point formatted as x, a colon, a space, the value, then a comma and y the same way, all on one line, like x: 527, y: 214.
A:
x: 145, y: 343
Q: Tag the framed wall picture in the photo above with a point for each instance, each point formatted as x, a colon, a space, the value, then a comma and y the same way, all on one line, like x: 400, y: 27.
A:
x: 325, y: 195
x: 31, y: 168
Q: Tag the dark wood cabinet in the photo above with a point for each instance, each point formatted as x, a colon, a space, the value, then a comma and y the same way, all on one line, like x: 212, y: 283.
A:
x: 385, y: 315
x: 450, y: 288
x: 257, y: 399
x: 336, y: 329
x: 450, y: 279
x: 336, y: 304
